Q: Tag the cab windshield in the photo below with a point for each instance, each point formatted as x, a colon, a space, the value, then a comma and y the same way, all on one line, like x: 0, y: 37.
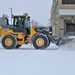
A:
x: 18, y: 21
x: 22, y: 21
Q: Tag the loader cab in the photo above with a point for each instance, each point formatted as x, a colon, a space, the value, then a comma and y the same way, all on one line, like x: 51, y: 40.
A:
x: 21, y: 23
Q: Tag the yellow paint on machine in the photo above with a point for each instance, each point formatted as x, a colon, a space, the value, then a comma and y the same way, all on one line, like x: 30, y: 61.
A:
x: 40, y: 42
x: 8, y: 42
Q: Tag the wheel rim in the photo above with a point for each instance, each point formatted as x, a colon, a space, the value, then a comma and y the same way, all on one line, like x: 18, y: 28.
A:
x: 8, y: 42
x: 40, y: 42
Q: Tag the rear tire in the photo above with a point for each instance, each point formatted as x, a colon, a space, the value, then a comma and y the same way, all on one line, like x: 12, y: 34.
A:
x: 9, y: 41
x: 40, y: 41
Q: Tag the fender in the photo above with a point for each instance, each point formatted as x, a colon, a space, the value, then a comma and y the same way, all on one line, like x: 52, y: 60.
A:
x: 43, y: 31
x: 49, y: 35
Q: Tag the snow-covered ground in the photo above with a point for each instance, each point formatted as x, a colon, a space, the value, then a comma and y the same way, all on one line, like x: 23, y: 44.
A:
x: 30, y: 47
x: 28, y: 61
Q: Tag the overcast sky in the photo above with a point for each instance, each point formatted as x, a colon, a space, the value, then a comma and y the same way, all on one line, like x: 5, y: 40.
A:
x: 39, y: 10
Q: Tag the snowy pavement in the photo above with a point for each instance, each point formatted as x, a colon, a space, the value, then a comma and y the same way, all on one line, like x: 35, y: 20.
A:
x: 28, y: 61
x: 66, y: 45
x: 30, y: 47
x: 70, y: 46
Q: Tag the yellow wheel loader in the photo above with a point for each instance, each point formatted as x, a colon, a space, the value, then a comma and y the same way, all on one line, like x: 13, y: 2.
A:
x: 22, y: 32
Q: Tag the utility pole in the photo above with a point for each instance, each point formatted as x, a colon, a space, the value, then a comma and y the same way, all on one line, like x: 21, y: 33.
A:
x: 11, y: 14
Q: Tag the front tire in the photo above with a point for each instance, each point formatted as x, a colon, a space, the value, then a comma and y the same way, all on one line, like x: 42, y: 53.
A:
x: 40, y: 41
x: 9, y: 41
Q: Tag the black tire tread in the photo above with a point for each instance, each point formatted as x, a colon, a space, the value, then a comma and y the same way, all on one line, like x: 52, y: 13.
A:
x: 38, y: 36
x: 14, y: 41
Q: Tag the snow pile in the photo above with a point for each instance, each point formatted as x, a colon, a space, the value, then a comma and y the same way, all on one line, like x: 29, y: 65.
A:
x: 69, y: 45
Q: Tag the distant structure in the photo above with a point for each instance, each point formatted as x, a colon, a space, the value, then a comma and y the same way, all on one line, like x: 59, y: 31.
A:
x: 63, y: 17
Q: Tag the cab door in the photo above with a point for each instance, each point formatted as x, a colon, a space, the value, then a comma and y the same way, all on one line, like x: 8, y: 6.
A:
x: 18, y: 24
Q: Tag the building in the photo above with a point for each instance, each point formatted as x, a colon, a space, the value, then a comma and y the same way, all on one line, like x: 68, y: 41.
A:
x: 63, y: 17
